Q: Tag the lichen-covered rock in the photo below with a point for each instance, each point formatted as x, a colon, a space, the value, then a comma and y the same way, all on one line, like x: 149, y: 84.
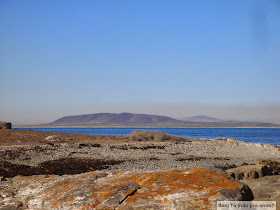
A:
x: 146, y: 135
x: 160, y: 189
x: 185, y: 189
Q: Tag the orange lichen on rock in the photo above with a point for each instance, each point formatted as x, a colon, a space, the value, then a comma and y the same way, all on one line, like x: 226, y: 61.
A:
x: 67, y: 190
x: 140, y: 189
x: 202, y: 183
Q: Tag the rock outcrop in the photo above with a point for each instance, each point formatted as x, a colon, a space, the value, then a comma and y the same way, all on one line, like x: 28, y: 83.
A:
x: 249, y: 171
x: 161, y: 189
x: 265, y: 189
x: 5, y: 125
x: 261, y: 169
x: 146, y: 135
x: 274, y: 165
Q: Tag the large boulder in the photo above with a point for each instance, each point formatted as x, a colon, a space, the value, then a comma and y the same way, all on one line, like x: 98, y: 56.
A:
x: 161, y: 189
x: 147, y: 135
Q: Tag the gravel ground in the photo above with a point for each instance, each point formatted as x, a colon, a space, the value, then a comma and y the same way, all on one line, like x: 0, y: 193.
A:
x: 210, y: 154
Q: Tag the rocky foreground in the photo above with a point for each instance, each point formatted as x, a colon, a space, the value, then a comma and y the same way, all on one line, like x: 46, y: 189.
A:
x: 144, y: 170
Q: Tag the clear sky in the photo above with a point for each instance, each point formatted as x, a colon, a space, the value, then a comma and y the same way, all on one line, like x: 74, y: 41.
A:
x: 172, y: 57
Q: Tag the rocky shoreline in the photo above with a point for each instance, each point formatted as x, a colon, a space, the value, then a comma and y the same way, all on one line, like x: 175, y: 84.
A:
x: 41, y: 155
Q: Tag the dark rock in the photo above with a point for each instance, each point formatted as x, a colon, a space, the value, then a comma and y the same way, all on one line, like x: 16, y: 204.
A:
x: 59, y: 167
x: 238, y: 194
x: 265, y: 189
x: 273, y: 165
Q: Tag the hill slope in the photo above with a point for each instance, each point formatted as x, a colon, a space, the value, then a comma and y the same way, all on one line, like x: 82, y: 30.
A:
x: 201, y: 118
x: 129, y: 119
x: 113, y: 118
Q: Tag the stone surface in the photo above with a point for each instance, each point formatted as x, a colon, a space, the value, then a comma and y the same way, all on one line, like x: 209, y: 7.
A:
x: 146, y: 135
x: 265, y: 189
x: 261, y: 169
x: 249, y: 171
x: 135, y: 155
x: 160, y: 189
x: 277, y: 149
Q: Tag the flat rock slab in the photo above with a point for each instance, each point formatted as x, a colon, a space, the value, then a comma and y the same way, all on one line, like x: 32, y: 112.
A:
x: 160, y: 189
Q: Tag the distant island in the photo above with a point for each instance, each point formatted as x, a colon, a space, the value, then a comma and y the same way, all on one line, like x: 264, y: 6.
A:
x: 146, y: 120
x: 201, y: 118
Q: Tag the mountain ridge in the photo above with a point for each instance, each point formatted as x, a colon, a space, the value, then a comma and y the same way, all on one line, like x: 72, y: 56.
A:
x: 201, y: 118
x: 105, y: 118
x: 130, y: 119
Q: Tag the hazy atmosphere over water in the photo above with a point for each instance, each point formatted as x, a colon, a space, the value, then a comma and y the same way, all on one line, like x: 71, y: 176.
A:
x: 174, y: 58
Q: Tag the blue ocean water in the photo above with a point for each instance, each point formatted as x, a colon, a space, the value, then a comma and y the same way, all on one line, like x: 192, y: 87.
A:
x: 263, y: 135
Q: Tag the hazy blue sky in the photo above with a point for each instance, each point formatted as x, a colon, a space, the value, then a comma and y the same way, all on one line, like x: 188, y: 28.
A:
x: 176, y: 58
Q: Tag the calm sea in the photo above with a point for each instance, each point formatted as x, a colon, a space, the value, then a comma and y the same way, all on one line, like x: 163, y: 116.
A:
x: 263, y: 135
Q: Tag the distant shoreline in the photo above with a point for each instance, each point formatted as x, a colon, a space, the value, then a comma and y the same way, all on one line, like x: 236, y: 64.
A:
x: 67, y: 126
